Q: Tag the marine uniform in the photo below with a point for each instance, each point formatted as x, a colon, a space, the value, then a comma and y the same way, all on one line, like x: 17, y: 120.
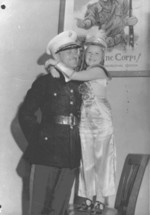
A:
x: 54, y: 142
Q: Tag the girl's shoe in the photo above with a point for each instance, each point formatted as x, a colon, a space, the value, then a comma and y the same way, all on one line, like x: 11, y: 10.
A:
x: 98, y: 208
x: 85, y: 206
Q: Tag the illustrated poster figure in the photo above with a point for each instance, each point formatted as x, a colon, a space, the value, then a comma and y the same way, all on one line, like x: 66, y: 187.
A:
x: 110, y: 15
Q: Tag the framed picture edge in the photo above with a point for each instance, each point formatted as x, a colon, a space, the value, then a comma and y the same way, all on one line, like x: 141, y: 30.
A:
x: 115, y: 74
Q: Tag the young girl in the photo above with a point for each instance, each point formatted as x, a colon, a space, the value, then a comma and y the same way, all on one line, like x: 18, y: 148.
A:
x: 98, y: 166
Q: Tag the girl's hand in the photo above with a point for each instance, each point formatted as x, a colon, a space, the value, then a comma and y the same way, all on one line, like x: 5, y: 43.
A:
x: 53, y: 71
x: 51, y: 62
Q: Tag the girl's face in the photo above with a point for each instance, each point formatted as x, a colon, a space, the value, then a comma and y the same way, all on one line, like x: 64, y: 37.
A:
x: 94, y: 55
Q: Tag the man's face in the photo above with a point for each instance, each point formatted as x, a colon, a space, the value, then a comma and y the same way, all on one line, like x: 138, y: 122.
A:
x: 69, y: 57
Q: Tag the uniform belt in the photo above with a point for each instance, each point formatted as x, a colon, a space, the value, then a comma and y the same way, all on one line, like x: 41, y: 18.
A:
x: 66, y: 120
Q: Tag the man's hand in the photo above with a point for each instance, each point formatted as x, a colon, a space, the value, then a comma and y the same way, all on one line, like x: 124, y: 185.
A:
x: 130, y: 21
x: 86, y: 24
x: 80, y: 23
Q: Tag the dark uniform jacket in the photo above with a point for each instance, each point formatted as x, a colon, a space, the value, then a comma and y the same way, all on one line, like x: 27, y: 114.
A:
x: 50, y: 143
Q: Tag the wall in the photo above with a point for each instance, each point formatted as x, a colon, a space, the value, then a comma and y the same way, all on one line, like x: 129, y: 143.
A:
x: 26, y: 27
x: 130, y: 100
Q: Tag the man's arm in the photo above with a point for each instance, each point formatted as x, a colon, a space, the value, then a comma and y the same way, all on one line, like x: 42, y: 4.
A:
x: 26, y: 115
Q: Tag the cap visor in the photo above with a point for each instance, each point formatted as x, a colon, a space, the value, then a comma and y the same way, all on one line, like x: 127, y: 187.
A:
x: 69, y: 46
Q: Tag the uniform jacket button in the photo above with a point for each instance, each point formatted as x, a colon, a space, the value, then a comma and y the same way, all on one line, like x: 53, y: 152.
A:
x: 45, y: 138
x: 55, y: 94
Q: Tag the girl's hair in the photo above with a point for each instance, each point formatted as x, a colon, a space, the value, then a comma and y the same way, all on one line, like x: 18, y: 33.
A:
x: 101, y: 65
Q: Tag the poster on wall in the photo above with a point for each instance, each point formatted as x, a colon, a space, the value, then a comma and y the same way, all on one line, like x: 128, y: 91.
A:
x: 127, y: 27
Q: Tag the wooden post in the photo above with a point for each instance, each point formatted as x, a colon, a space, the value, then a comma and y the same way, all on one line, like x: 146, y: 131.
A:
x: 61, y: 15
x: 131, y: 28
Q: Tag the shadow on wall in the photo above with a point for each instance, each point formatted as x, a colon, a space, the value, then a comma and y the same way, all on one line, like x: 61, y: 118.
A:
x: 23, y: 168
x: 42, y: 59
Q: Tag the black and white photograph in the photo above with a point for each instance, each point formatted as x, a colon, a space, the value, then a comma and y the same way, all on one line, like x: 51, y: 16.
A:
x: 75, y: 107
x: 124, y: 22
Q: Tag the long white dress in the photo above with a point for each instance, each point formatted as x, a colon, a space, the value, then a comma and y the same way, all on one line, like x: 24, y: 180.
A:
x: 98, y: 165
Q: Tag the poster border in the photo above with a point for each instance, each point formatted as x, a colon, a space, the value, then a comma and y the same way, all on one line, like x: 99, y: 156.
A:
x: 123, y: 73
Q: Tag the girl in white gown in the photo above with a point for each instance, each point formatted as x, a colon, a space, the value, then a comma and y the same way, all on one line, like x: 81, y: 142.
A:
x: 98, y: 165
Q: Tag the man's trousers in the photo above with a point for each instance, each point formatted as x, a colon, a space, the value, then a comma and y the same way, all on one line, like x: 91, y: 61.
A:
x: 50, y: 189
